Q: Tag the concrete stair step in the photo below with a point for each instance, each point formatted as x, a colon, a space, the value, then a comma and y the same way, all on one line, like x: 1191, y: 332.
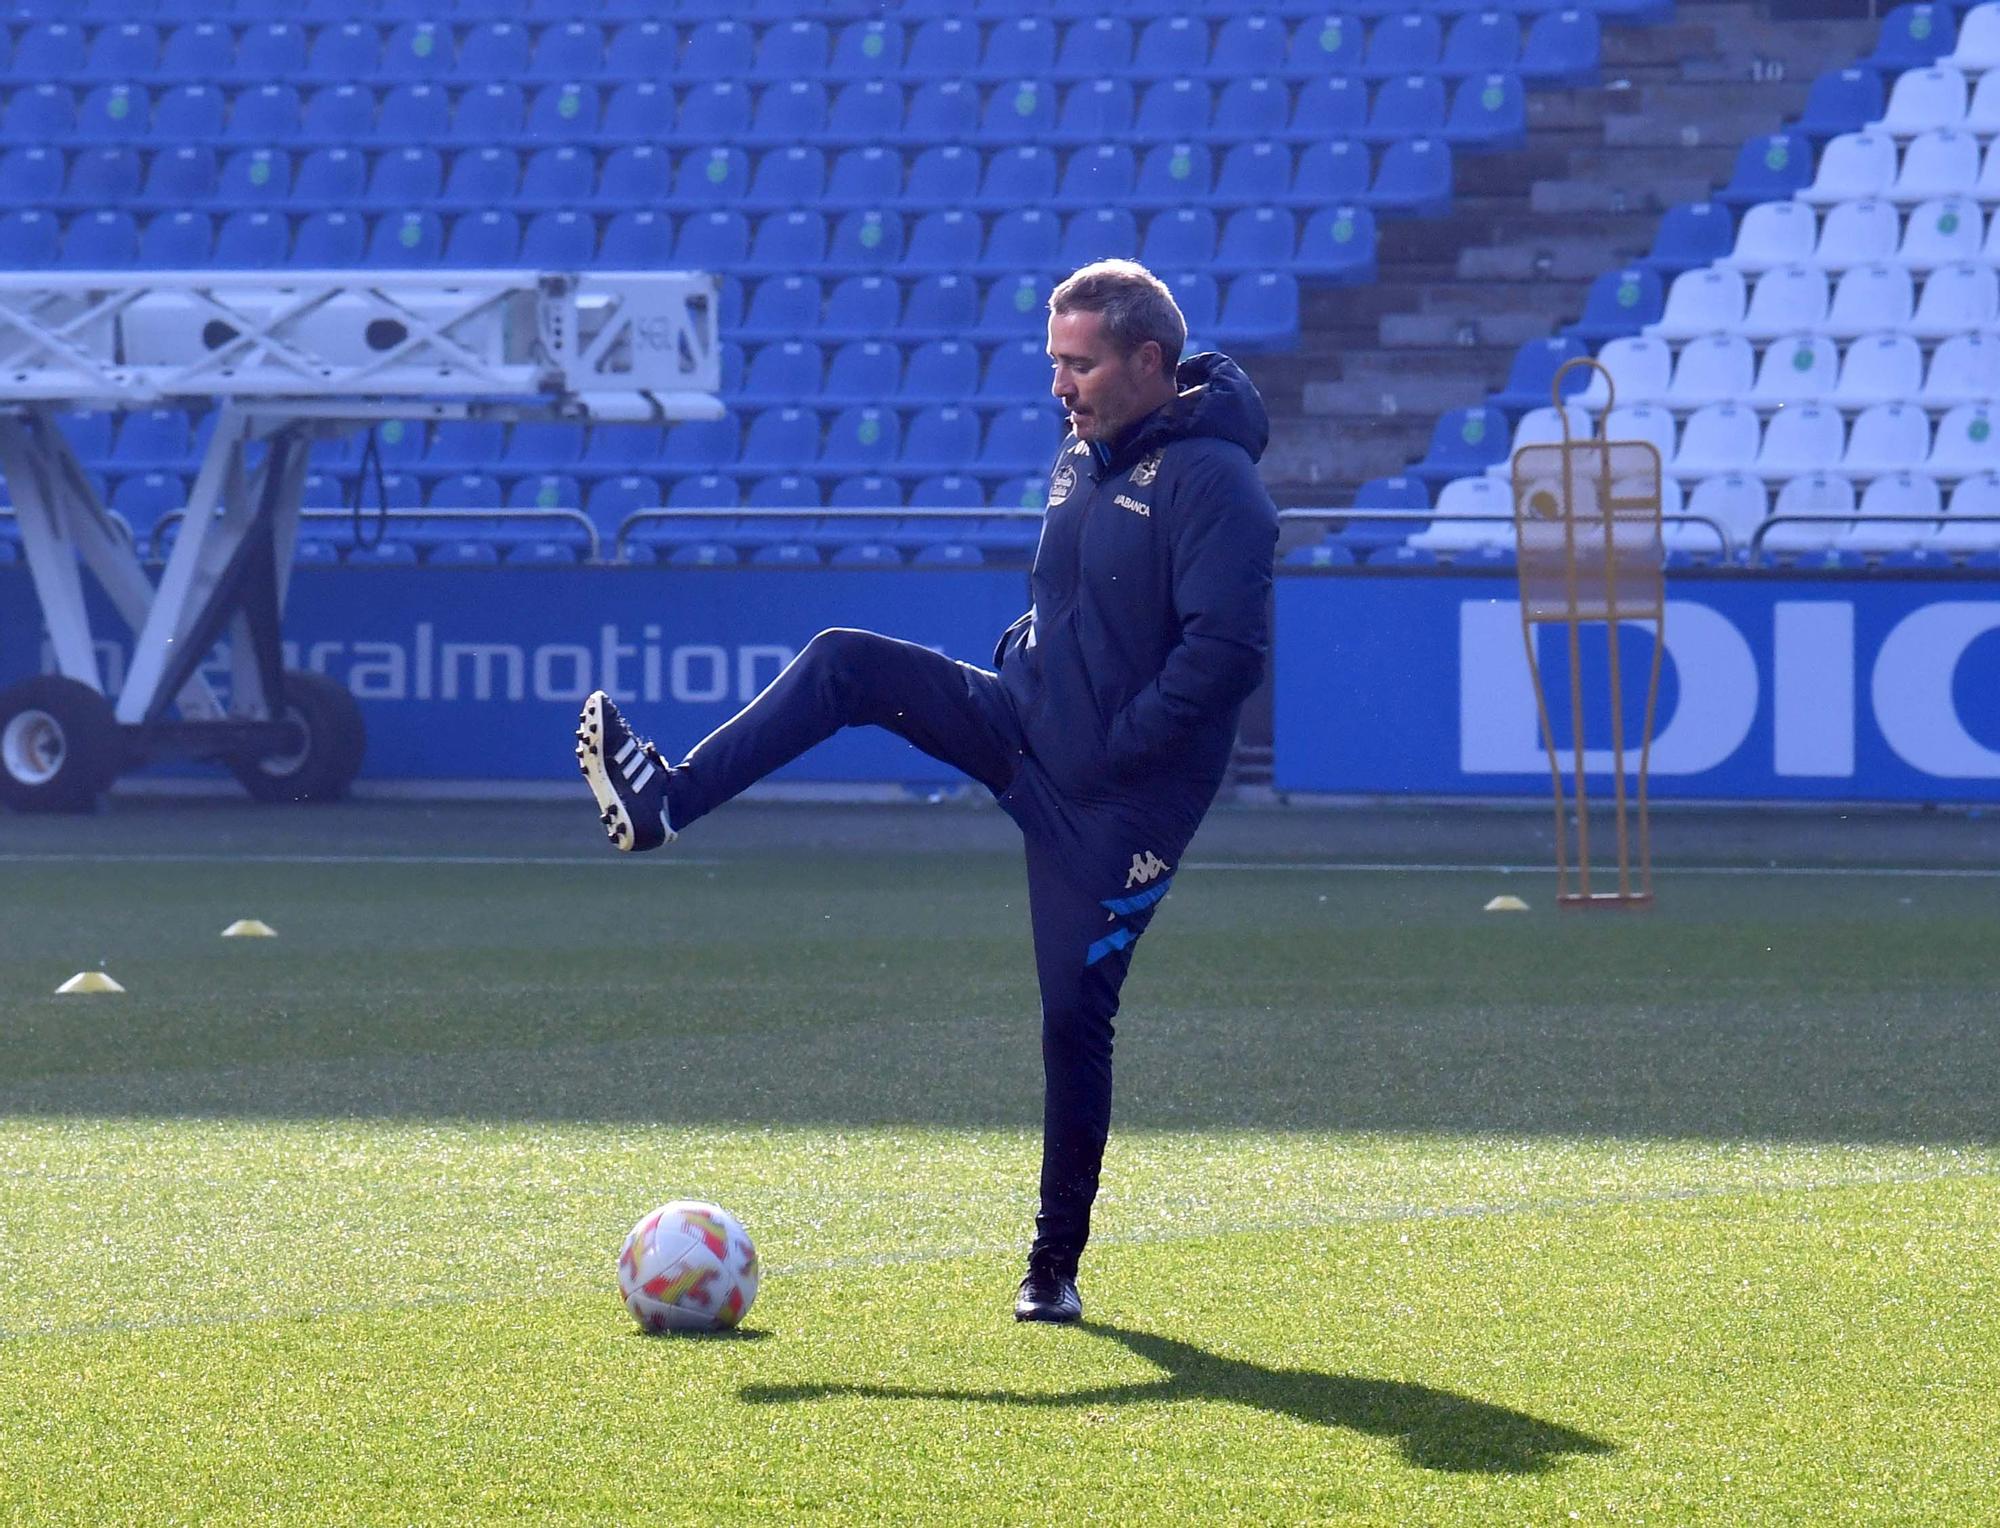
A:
x: 1576, y: 259
x: 1421, y: 331
x: 1574, y: 200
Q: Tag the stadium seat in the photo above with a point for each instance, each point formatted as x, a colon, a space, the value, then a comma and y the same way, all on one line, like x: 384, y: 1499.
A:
x: 1013, y: 112
x: 1965, y: 368
x: 1481, y: 42
x: 1184, y: 236
x: 944, y: 47
x: 405, y: 177
x: 1819, y: 494
x: 867, y: 49
x: 1941, y: 162
x: 1337, y: 107
x: 1853, y: 167
x: 103, y: 175
x: 780, y: 307
x: 1806, y: 437
x: 1251, y: 108
x: 1914, y: 36
x: 262, y: 240
x: 1769, y: 168
x: 784, y: 241
x: 1772, y: 234
x: 1172, y: 110
x: 1409, y: 106
x: 1956, y: 298
x: 1102, y: 233
x: 1257, y: 173
x: 399, y: 240
x: 545, y: 490
x: 1563, y: 49
x: 31, y: 175
x: 113, y: 114
x: 1879, y: 368
x: 941, y: 306
x: 1336, y: 170
x: 943, y: 241
x: 1259, y: 312
x: 785, y: 179
x: 948, y: 490
x: 714, y: 240
x: 864, y: 113
x: 778, y: 440
x: 1619, y: 302
x: 1841, y: 101
x: 1715, y: 368
x: 1787, y: 300
x: 1734, y: 504
x: 1533, y: 371
x: 866, y: 241
x: 941, y: 439
x: 940, y: 371
x: 788, y: 113
x: 1966, y: 443
x: 1024, y: 239
x: 644, y: 241
x: 1898, y: 513
x: 1857, y: 233
x: 1414, y: 177
x: 782, y: 490
x: 1886, y: 437
x: 863, y: 371
x: 1648, y: 422
x: 416, y: 50
x: 415, y: 112
x: 1717, y: 437
x: 1924, y: 99
x: 101, y: 241
x: 1408, y: 43
x: 176, y: 241
x: 1471, y: 512
x: 1962, y: 534
x: 861, y: 439
x: 39, y: 114
x: 1488, y: 112
x: 1257, y: 238
x: 1021, y: 47
x: 1097, y: 175
x: 1799, y: 368
x: 1690, y: 234
x: 1982, y: 114
x: 1326, y: 45
x: 488, y: 240
x: 1464, y: 443
x: 1871, y: 298
x: 635, y: 175
x: 1704, y: 301
x: 1641, y: 370
x: 1012, y: 308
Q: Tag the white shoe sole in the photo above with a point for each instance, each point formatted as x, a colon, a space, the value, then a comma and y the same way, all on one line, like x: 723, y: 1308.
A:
x: 597, y: 775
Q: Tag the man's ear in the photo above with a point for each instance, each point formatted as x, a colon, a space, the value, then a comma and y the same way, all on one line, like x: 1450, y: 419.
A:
x: 1157, y: 363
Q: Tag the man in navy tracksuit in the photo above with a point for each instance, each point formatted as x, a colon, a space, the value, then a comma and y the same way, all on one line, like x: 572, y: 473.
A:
x: 1107, y: 727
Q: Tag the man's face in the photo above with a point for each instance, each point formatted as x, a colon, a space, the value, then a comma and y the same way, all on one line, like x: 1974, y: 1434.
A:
x: 1103, y: 390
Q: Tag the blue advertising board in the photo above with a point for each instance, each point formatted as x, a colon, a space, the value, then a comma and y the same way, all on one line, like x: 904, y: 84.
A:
x: 1857, y: 689
x: 477, y: 673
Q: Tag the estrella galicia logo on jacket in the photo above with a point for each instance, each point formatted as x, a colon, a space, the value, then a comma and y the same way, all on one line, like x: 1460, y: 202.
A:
x: 1145, y: 867
x: 1126, y: 501
x: 1061, y: 484
x: 1147, y: 470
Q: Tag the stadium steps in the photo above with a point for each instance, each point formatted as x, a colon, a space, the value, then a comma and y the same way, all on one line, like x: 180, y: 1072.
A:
x: 1528, y: 230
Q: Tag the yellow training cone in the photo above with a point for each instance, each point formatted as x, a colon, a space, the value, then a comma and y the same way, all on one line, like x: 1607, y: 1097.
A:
x: 89, y: 981
x: 1506, y: 905
x: 249, y: 928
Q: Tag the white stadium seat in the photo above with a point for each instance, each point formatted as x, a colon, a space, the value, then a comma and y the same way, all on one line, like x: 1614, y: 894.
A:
x: 1941, y: 231
x: 1987, y: 187
x: 1718, y: 437
x: 1892, y: 516
x: 1816, y: 493
x: 1786, y: 300
x: 1450, y: 531
x: 1961, y: 533
x: 1967, y: 443
x: 1806, y: 437
x: 1717, y: 368
x: 1652, y: 423
x: 1879, y: 368
x: 1544, y: 427
x: 1773, y: 234
x: 1978, y: 39
x: 1869, y: 299
x: 1709, y: 300
x: 1798, y: 368
x: 1942, y: 162
x: 1862, y: 232
x: 1641, y: 369
x: 1736, y: 501
x: 1956, y: 300
x: 1963, y: 369
x: 1982, y: 114
x: 1853, y: 166
x: 1887, y: 437
x: 1924, y: 99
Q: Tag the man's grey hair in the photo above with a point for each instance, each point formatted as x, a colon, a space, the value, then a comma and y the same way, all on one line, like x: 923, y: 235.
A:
x: 1134, y: 303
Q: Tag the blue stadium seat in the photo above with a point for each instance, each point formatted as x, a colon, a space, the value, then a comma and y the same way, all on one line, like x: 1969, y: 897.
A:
x: 487, y: 240
x: 713, y: 177
x: 1258, y: 238
x: 1409, y: 43
x: 265, y: 114
x: 1619, y: 302
x: 332, y: 238
x: 466, y: 490
x: 1097, y: 175
x: 1464, y: 443
x: 545, y: 490
x: 1018, y: 441
x: 778, y: 440
x: 55, y: 50
x: 562, y: 113
x: 101, y: 241
x: 416, y: 50
x: 942, y: 241
x: 1016, y: 111
x: 1326, y: 45
x: 861, y: 439
x: 1563, y: 50
x: 790, y: 112
x: 782, y: 490
x: 573, y: 50
x: 200, y: 50
x: 1256, y: 173
x: 1172, y: 46
x: 870, y: 176
x: 869, y: 49
x: 1534, y: 368
x: 497, y: 50
x: 330, y: 177
x: 942, y: 438
x: 705, y: 490
x: 255, y: 178
x: 719, y: 50
x: 944, y: 48
x: 88, y: 433
x: 1173, y: 110
x: 30, y: 175
x: 347, y: 52
x: 542, y: 553
x: 787, y: 372
x: 464, y: 446
x: 1691, y: 234
x: 1413, y: 178
x: 1021, y: 47
x: 1488, y: 111
x: 98, y: 176
x: 1099, y: 47
x: 702, y: 554
x: 1332, y: 170
x: 639, y: 241
x: 866, y: 241
x: 1769, y: 168
x: 644, y: 50
x: 38, y: 114
x: 940, y: 177
x: 942, y: 110
x: 940, y: 371
x: 153, y: 440
x: 713, y: 240
x: 616, y: 448
x: 558, y: 177
x: 1016, y: 373
x: 1174, y: 174
x: 1481, y: 42
x: 1337, y: 244
x: 1334, y: 107
x: 484, y: 177
x: 114, y: 114
x: 865, y: 554
x: 143, y: 497
x: 863, y: 113
x: 1013, y: 308
x: 785, y: 554
x: 463, y: 553
x: 786, y: 179
x: 941, y: 306
x: 1914, y: 37
x: 1409, y: 106
x: 780, y: 307
x: 792, y: 50
x: 1249, y: 46
x: 416, y: 112
x: 636, y: 175
x: 1095, y: 112
x: 1841, y: 101
x: 258, y: 240
x: 1260, y: 311
x: 405, y: 239
x: 1022, y: 176
x: 864, y: 371
x: 948, y: 490
x: 270, y: 50
x: 560, y: 240
x: 405, y: 177
x: 544, y: 446
x: 948, y: 554
x: 714, y: 111
x: 1104, y: 233
x: 337, y: 114
x: 1025, y: 239
x: 176, y: 241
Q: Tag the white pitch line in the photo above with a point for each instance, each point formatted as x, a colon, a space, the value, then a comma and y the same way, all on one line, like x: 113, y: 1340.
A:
x: 1379, y: 1215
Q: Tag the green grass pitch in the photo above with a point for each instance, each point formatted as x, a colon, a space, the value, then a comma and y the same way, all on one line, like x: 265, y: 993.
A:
x: 1412, y: 1214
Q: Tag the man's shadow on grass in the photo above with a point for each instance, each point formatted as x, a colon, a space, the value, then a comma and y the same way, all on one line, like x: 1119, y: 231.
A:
x: 1436, y: 1429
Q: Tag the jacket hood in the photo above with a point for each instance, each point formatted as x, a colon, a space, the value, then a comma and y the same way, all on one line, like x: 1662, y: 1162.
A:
x: 1217, y: 399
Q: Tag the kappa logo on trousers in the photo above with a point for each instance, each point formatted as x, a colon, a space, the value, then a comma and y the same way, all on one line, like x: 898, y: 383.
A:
x: 1145, y: 868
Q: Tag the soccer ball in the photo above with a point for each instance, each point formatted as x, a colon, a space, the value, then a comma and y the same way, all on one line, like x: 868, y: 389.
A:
x: 688, y: 1267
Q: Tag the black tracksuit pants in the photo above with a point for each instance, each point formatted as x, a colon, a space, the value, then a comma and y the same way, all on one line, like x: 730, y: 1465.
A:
x: 1094, y: 877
